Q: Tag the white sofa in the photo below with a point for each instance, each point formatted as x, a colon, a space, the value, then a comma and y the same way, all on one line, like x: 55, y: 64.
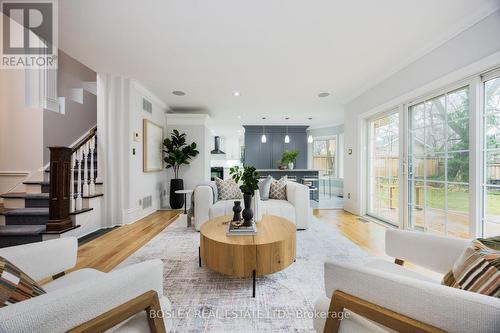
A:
x: 409, y: 293
x: 79, y: 296
x: 295, y: 208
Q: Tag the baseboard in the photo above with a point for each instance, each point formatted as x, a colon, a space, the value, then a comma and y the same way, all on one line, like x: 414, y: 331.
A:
x: 134, y: 214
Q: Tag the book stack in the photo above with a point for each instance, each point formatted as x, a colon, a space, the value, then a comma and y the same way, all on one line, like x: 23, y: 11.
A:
x: 237, y: 229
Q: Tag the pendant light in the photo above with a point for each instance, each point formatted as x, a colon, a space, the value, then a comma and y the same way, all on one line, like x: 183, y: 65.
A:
x: 310, y: 137
x: 287, y: 138
x: 263, y: 138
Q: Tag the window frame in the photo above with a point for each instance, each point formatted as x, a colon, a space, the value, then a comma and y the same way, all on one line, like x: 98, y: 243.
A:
x: 477, y: 163
x: 324, y: 138
x: 369, y: 148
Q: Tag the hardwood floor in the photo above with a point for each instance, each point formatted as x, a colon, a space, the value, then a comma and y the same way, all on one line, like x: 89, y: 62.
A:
x: 106, y: 252
x: 369, y: 236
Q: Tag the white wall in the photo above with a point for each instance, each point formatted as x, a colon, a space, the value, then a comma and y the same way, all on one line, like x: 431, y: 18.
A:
x: 21, y: 132
x: 474, y: 50
x: 195, y: 127
x: 142, y: 183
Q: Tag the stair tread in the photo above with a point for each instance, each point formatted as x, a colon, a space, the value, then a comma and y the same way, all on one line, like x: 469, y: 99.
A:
x: 24, y: 195
x: 84, y: 210
x: 21, y: 230
x: 92, y: 196
x: 13, y: 195
x: 36, y: 182
x: 42, y: 211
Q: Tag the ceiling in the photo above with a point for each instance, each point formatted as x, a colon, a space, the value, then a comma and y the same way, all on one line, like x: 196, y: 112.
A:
x: 279, y: 54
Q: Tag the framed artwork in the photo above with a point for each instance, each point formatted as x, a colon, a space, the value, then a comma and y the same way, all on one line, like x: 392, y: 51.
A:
x: 152, y: 146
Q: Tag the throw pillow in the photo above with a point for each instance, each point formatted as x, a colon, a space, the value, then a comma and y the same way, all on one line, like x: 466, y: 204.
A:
x: 265, y: 187
x: 15, y: 285
x: 228, y: 189
x: 478, y: 268
x: 278, y: 188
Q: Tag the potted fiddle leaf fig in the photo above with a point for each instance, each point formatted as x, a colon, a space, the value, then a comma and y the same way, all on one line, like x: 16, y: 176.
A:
x: 249, y: 179
x: 177, y: 153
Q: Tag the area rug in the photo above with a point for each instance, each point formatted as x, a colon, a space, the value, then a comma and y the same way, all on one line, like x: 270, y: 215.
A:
x: 205, y: 301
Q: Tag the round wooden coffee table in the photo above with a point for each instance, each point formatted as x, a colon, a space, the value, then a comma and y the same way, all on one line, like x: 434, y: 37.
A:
x: 271, y: 250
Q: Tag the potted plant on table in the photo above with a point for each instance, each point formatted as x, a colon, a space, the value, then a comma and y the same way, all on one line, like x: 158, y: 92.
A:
x: 288, y: 158
x: 177, y: 153
x: 249, y: 178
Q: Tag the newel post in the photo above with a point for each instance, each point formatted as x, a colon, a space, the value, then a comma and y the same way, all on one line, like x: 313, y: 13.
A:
x: 59, y: 197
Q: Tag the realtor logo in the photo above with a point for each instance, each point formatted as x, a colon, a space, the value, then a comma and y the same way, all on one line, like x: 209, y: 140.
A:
x: 29, y: 38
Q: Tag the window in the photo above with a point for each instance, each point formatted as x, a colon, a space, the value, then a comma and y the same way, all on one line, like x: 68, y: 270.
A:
x: 325, y: 156
x: 383, y: 181
x: 491, y: 157
x: 438, y: 164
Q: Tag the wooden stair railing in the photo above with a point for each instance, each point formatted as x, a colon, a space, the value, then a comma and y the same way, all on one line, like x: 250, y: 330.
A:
x: 65, y: 164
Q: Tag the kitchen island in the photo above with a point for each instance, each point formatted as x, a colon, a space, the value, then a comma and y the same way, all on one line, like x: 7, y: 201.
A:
x: 309, y: 177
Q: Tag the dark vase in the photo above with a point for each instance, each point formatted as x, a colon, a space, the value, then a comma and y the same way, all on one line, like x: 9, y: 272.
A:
x: 176, y: 200
x: 237, y: 211
x: 247, y: 212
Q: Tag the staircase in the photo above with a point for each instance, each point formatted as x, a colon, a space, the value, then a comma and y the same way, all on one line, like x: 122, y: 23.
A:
x: 26, y: 217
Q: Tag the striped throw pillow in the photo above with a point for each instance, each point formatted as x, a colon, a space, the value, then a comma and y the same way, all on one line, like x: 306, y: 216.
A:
x: 478, y: 268
x: 15, y: 285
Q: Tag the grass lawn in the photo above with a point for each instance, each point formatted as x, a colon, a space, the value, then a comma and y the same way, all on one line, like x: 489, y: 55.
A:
x: 458, y: 201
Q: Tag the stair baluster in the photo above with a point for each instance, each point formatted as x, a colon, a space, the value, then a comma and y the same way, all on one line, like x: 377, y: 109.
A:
x: 65, y: 193
x: 85, y: 154
x: 79, y: 201
x: 92, y: 180
x: 72, y: 184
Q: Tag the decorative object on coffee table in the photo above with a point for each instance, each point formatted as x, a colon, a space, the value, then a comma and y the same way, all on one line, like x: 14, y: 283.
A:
x: 250, y: 183
x: 237, y: 211
x: 270, y: 250
x: 178, y: 153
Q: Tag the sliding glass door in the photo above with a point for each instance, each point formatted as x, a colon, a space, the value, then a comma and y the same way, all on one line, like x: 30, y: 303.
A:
x: 438, y: 164
x: 491, y: 156
x: 434, y: 164
x: 383, y: 169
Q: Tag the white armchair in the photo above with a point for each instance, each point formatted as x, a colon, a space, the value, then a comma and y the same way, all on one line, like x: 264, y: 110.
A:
x: 386, y: 295
x: 80, y: 296
x: 296, y: 208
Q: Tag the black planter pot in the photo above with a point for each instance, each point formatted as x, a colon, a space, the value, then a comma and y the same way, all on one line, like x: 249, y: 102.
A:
x: 247, y: 212
x: 176, y: 200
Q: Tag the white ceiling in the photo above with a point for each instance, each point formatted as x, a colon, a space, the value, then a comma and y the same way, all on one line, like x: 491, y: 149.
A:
x: 278, y: 53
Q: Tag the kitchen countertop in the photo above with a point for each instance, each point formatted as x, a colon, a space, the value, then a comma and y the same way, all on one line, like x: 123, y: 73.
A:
x: 294, y: 170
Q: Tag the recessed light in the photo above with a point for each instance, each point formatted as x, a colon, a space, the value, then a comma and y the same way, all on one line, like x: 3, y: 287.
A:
x: 178, y: 93
x: 236, y: 93
x: 323, y: 94
x: 310, y: 118
x: 264, y: 118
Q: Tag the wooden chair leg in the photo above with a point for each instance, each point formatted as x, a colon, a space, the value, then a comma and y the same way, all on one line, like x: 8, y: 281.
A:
x: 374, y: 312
x: 335, y: 316
x: 148, y: 301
